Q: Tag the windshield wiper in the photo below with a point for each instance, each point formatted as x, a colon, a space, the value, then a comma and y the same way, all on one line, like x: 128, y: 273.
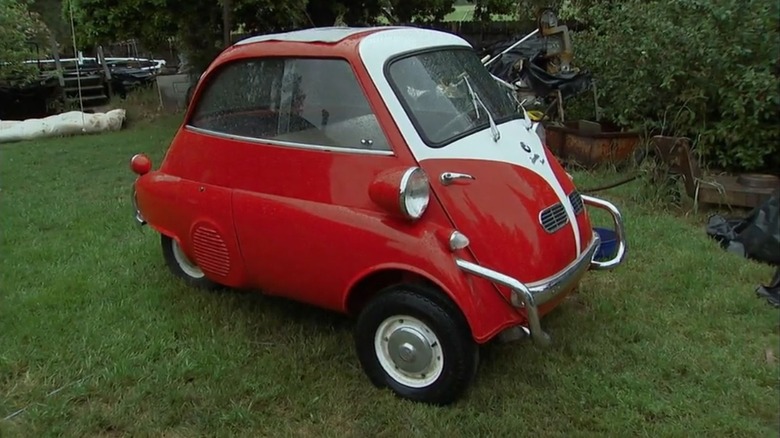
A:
x: 476, y: 100
x: 473, y: 96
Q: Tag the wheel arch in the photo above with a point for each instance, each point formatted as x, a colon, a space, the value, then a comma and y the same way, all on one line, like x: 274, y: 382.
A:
x: 236, y: 275
x: 371, y: 283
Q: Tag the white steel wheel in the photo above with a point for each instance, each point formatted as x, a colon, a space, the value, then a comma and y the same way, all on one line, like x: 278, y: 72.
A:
x: 409, y: 351
x: 415, y: 341
x: 188, y: 267
x: 181, y: 266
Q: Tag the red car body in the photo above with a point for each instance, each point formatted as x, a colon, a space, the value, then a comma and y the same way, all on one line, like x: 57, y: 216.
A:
x: 325, y: 220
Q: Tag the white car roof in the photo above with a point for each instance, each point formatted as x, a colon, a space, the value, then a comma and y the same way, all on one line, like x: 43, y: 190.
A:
x: 332, y: 35
x: 380, y: 44
x: 335, y: 34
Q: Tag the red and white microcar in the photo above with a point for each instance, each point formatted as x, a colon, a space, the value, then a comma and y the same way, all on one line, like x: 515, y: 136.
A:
x: 382, y: 173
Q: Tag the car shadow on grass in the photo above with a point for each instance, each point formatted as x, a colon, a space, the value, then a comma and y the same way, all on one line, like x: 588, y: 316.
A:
x: 253, y: 302
x: 285, y: 322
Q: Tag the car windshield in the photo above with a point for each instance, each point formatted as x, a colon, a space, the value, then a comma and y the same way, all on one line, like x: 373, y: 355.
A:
x: 446, y: 94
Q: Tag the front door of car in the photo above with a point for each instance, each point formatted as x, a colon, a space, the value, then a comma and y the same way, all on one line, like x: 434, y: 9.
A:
x: 492, y: 175
x: 304, y: 144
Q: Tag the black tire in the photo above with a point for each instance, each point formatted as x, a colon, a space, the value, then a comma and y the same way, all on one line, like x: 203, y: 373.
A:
x: 456, y: 349
x: 177, y: 263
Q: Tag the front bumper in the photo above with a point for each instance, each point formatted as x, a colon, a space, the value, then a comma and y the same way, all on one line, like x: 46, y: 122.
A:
x: 531, y: 296
x: 139, y: 219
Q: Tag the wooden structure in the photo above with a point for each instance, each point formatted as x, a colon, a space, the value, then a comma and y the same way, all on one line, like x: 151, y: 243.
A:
x: 745, y: 190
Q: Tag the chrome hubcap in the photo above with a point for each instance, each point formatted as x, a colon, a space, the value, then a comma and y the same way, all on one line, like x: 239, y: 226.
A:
x: 409, y: 351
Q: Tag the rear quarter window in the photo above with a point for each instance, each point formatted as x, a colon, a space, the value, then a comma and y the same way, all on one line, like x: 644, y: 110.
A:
x: 297, y: 101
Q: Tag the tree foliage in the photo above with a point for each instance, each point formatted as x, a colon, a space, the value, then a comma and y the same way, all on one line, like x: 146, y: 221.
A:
x: 196, y: 25
x: 50, y: 13
x: 702, y: 69
x: 20, y: 30
x: 483, y: 9
x: 410, y: 11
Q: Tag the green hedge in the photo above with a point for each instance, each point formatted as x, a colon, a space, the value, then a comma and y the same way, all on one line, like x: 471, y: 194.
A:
x: 703, y: 69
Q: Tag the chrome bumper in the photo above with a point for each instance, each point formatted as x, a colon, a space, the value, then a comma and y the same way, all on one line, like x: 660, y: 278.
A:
x: 531, y: 296
x: 620, y: 231
x: 139, y: 219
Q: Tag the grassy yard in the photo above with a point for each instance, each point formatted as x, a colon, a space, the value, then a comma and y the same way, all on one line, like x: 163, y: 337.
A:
x: 464, y: 13
x: 97, y: 339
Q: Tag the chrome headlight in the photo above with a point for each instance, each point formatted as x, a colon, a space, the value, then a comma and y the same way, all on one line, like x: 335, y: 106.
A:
x: 415, y: 193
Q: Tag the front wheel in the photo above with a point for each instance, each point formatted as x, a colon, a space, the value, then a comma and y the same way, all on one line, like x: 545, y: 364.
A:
x: 418, y: 344
x: 182, y: 267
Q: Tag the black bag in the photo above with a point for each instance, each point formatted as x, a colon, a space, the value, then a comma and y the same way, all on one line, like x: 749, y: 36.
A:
x: 771, y: 291
x: 756, y: 237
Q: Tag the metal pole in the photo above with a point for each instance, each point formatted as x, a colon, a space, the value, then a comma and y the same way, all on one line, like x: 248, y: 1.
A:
x: 521, y: 41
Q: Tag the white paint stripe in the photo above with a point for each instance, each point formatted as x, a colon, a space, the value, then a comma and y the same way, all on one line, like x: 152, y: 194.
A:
x: 377, y: 48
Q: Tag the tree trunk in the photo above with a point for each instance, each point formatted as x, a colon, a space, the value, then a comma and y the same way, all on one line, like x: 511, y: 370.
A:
x: 227, y: 21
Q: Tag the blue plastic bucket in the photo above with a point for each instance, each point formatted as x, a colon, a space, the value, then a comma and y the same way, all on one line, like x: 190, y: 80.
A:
x: 608, y: 245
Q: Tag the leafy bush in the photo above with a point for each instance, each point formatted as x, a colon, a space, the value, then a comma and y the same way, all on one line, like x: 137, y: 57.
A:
x: 18, y: 28
x: 703, y: 69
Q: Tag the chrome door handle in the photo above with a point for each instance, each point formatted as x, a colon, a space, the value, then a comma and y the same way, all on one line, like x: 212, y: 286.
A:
x: 448, y: 178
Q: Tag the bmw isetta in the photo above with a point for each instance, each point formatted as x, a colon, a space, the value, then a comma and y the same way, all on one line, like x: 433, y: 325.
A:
x: 382, y: 173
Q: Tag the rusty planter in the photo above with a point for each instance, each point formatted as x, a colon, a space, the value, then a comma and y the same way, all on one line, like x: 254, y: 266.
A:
x: 589, y: 144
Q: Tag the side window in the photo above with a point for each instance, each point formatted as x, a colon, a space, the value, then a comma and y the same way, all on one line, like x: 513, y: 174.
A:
x: 239, y: 99
x: 295, y: 100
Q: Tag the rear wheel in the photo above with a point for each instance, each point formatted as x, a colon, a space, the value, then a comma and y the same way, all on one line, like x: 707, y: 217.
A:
x: 182, y: 267
x: 418, y: 344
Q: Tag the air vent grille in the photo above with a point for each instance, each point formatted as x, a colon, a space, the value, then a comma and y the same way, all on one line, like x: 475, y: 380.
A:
x: 211, y: 253
x: 553, y: 218
x: 576, y: 202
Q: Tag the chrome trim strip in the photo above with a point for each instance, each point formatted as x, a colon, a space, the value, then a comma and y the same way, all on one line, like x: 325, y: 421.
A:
x: 620, y: 232
x: 531, y: 296
x: 287, y: 143
x: 402, y: 190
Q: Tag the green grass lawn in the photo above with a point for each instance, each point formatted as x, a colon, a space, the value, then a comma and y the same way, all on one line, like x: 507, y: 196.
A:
x: 97, y: 339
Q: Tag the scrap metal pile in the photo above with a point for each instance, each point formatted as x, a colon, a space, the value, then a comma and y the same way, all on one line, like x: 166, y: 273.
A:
x: 540, y: 66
